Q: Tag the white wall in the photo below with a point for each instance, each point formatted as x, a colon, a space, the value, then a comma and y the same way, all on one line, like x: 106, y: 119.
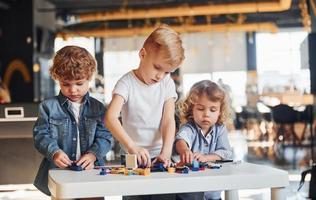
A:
x: 212, y: 52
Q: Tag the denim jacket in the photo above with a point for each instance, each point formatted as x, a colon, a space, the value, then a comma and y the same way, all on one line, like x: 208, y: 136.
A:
x: 56, y: 129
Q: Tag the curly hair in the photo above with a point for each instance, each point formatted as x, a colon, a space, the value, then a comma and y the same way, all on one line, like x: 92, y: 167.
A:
x: 73, y: 63
x: 213, y: 92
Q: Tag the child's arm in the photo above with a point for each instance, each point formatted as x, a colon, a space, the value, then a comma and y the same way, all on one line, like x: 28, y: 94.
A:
x: 186, y: 155
x: 206, y: 157
x: 101, y: 145
x: 168, y: 131
x: 114, y: 125
x: 45, y: 142
x: 222, y: 150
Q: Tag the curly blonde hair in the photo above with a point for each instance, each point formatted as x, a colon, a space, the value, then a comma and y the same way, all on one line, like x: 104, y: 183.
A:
x: 213, y: 92
x: 73, y: 63
x: 168, y: 42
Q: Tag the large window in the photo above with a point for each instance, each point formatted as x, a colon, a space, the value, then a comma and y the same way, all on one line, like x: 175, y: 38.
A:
x: 279, y: 62
x: 235, y: 81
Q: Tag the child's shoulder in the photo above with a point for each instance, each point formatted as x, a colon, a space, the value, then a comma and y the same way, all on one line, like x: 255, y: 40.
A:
x: 188, y: 126
x: 220, y: 128
x: 50, y: 101
x: 127, y: 76
x: 95, y: 102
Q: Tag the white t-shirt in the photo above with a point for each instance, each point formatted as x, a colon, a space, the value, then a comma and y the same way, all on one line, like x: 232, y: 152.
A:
x: 143, y: 108
x: 76, y: 108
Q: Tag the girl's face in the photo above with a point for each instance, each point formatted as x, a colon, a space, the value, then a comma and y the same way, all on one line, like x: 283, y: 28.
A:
x: 74, y: 90
x: 206, y: 113
x: 152, y: 68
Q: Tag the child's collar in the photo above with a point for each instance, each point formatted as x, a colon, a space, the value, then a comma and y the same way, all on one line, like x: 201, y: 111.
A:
x: 210, y: 131
x: 64, y: 100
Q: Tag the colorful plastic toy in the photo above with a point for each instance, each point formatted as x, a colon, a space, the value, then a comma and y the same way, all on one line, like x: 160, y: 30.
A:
x: 103, y: 171
x: 214, y: 166
x: 75, y: 167
x: 182, y: 169
x: 158, y: 167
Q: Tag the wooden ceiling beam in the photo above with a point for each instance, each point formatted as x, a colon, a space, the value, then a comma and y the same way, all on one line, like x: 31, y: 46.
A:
x: 227, y: 27
x: 217, y: 9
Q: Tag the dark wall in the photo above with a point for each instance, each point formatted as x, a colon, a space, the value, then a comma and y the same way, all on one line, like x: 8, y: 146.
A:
x: 312, y: 60
x: 16, y: 44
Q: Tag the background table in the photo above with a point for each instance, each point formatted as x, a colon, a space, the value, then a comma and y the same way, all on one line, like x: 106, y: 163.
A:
x: 66, y: 184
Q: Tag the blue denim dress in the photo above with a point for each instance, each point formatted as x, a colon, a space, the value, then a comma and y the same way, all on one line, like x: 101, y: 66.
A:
x: 56, y: 129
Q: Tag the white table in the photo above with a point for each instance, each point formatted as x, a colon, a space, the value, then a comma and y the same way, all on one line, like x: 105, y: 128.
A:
x: 66, y: 184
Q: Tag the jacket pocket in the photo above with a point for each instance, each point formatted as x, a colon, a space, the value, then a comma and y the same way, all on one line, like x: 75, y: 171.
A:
x: 58, y: 127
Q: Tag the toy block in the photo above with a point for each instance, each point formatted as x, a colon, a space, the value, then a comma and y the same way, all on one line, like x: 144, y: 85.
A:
x: 195, y: 164
x: 103, y: 171
x: 214, y: 166
x: 74, y: 167
x: 131, y: 161
x: 171, y: 170
x: 142, y: 171
x: 158, y: 167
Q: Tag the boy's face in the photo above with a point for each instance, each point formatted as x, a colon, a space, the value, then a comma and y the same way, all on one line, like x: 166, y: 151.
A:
x: 74, y: 90
x: 152, y: 67
x: 206, y: 113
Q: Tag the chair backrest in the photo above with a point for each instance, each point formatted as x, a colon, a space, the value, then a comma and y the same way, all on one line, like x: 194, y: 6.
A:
x: 284, y: 114
x: 307, y: 114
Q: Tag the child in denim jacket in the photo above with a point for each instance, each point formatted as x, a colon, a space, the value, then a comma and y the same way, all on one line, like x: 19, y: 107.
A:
x: 70, y: 127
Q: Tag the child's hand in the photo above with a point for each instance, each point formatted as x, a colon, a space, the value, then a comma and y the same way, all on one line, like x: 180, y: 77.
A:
x: 162, y: 159
x: 86, y: 161
x: 186, y: 156
x: 200, y: 157
x: 61, y: 159
x: 143, y: 157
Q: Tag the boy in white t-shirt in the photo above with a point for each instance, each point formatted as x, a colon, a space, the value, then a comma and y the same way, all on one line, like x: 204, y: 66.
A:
x: 146, y: 97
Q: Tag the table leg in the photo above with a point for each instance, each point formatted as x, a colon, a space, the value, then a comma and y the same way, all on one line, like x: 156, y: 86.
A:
x: 231, y: 195
x: 278, y: 193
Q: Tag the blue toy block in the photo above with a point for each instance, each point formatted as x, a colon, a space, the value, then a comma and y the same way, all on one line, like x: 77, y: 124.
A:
x: 74, y: 167
x: 158, y: 167
x: 103, y: 171
x: 195, y: 164
x: 182, y: 170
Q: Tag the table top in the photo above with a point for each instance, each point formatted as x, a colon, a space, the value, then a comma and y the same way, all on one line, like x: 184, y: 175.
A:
x: 88, y: 183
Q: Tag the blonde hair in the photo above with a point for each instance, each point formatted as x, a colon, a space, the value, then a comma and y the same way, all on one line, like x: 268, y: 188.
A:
x: 213, y: 92
x: 72, y: 63
x: 167, y: 41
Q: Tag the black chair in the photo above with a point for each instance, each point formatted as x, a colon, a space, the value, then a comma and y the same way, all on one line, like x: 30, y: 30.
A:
x: 284, y: 118
x: 307, y: 116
